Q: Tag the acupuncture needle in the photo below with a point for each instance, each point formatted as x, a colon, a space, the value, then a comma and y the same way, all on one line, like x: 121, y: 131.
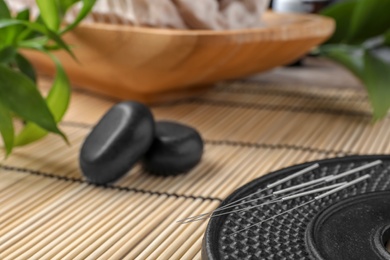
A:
x: 319, y: 197
x: 272, y: 185
x: 281, y: 199
x: 269, y: 186
x: 352, y: 171
x: 329, y: 178
x: 313, y: 183
x: 299, y: 188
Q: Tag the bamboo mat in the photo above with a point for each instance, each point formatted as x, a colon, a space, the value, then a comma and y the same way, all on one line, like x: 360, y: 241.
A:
x: 48, y: 211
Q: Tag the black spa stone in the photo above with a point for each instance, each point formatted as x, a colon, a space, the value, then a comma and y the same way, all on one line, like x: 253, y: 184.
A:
x: 176, y: 149
x: 117, y: 142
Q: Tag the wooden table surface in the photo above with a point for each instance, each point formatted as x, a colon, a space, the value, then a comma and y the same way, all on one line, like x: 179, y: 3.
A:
x: 316, y: 72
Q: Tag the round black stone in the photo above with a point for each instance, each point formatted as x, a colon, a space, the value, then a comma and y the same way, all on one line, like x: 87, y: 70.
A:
x: 176, y: 149
x: 117, y: 142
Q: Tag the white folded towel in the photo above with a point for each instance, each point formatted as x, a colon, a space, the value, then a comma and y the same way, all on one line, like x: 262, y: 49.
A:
x: 179, y: 14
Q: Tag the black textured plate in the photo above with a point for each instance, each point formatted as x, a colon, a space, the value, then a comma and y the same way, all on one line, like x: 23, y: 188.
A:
x: 354, y: 228
x: 285, y: 237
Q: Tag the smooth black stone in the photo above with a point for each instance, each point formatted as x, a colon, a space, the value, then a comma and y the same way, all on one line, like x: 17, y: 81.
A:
x: 117, y: 142
x: 176, y: 149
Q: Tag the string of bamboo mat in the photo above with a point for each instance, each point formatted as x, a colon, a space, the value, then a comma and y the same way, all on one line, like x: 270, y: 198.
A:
x: 48, y: 211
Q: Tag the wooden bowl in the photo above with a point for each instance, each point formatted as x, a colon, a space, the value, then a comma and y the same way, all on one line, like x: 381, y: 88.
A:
x: 154, y: 65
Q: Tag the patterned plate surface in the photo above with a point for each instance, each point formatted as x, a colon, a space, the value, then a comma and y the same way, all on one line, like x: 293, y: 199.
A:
x: 284, y: 237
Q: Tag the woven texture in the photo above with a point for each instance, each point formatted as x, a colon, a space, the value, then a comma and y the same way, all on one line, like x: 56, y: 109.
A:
x: 48, y: 211
x: 284, y: 237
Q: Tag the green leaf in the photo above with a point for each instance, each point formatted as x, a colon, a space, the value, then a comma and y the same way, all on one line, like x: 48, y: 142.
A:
x: 61, y: 43
x: 7, y: 54
x: 6, y: 128
x: 52, y: 47
x: 386, y: 39
x: 377, y: 81
x: 372, y: 67
x: 59, y: 97
x: 25, y: 67
x: 20, y: 95
x: 50, y: 13
x: 5, y: 23
x: 4, y: 10
x: 40, y: 28
x: 57, y: 101
x: 66, y: 4
x: 14, y: 32
x: 87, y: 7
x: 23, y: 15
x: 39, y: 45
x: 349, y: 56
x: 4, y: 33
x: 341, y: 13
x: 370, y: 18
x: 32, y: 44
x: 29, y: 33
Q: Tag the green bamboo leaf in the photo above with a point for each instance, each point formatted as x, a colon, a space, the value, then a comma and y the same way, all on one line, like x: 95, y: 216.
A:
x: 23, y: 15
x: 349, y: 56
x: 52, y: 47
x: 15, y: 31
x: 6, y: 128
x: 39, y: 28
x: 4, y: 10
x: 25, y: 67
x: 4, y: 33
x: 370, y: 18
x: 5, y: 23
x: 377, y: 82
x: 20, y: 95
x: 37, y: 45
x: 59, y: 97
x: 50, y: 13
x: 7, y: 54
x: 57, y: 101
x: 28, y: 33
x: 10, y: 34
x: 387, y: 38
x: 342, y: 14
x: 87, y: 7
x: 66, y: 4
x: 61, y: 43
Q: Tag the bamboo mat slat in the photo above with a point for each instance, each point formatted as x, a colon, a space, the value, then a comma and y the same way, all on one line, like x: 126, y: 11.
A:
x: 48, y: 211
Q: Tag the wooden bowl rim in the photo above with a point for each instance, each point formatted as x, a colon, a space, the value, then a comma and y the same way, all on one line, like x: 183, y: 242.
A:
x: 296, y: 21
